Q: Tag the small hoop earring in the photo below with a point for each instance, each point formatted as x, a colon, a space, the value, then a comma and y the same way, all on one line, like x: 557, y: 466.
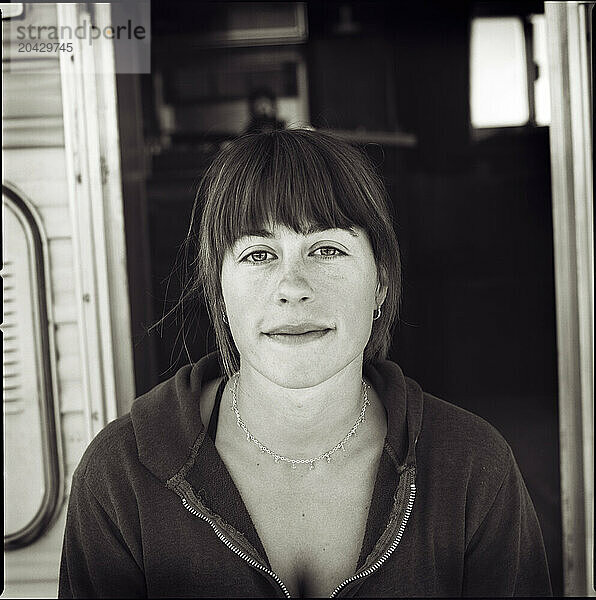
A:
x: 376, y: 313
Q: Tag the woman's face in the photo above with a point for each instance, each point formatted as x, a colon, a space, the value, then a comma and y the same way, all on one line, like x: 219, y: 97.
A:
x: 300, y: 307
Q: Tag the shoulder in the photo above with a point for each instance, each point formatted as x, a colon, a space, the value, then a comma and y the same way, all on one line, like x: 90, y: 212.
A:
x: 111, y: 454
x: 109, y: 476
x: 114, y: 451
x: 463, y: 444
x: 463, y: 459
x: 155, y: 438
x: 459, y: 427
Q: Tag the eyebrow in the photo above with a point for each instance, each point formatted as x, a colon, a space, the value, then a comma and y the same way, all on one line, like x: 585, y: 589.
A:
x: 266, y: 233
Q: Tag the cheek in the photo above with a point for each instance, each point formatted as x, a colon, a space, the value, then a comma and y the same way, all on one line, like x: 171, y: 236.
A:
x: 243, y: 299
x: 233, y: 288
x: 352, y: 294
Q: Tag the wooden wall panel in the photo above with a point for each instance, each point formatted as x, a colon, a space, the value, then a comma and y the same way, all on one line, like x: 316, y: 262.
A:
x: 75, y: 442
x: 25, y: 165
x: 62, y: 276
x: 32, y: 96
x: 56, y: 220
x: 47, y: 192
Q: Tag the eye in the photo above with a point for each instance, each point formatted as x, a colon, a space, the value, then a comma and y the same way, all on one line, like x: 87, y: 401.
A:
x: 258, y: 256
x: 328, y: 252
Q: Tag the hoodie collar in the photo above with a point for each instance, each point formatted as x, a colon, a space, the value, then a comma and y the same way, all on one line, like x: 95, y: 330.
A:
x: 169, y: 429
x: 172, y: 443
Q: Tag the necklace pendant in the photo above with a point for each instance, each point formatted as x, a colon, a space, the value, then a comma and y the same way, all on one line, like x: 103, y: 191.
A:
x: 276, y: 459
x: 312, y: 465
x: 293, y: 465
x: 343, y: 448
x: 248, y: 437
x: 328, y: 458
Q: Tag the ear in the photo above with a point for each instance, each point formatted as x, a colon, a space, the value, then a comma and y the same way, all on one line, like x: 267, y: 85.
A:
x: 381, y: 294
x: 381, y: 291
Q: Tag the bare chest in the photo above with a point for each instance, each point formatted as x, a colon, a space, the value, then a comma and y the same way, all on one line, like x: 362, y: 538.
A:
x: 311, y: 522
x: 311, y: 525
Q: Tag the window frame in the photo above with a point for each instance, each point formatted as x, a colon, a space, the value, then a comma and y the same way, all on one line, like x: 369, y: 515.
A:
x: 50, y: 433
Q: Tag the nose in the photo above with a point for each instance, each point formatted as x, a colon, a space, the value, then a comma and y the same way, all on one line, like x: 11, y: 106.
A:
x: 293, y: 286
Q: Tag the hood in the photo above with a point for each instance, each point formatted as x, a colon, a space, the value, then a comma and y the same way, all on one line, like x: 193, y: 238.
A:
x: 169, y: 430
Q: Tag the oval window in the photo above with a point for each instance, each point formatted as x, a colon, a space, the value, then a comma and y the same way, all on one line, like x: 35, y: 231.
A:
x: 32, y: 475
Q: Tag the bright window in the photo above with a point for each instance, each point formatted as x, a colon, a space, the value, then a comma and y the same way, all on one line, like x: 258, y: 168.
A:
x: 498, y: 73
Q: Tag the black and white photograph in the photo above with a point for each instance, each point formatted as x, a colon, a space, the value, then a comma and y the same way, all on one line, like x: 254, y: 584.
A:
x: 298, y: 299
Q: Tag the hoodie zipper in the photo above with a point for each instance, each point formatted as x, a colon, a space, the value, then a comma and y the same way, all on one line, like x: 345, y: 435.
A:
x: 234, y: 549
x: 257, y: 565
x: 379, y: 562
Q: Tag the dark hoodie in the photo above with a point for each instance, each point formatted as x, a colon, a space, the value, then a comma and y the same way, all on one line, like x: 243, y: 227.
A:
x: 153, y: 511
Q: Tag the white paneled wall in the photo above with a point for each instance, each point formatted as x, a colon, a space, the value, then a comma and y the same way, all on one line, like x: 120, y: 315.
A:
x: 37, y: 165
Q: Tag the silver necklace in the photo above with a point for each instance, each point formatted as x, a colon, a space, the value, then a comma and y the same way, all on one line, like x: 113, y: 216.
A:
x: 299, y: 461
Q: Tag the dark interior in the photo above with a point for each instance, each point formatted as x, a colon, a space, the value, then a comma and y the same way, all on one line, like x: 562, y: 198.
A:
x: 472, y: 209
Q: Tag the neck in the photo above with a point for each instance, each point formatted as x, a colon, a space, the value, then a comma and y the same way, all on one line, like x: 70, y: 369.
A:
x: 304, y: 422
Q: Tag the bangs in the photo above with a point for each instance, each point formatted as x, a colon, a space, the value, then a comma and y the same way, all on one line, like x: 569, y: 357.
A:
x: 286, y: 180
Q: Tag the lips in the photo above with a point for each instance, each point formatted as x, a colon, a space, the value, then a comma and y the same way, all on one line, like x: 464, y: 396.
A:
x: 298, y: 329
x: 298, y: 335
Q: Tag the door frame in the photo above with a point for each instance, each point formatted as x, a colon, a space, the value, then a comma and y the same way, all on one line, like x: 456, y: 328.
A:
x: 569, y: 55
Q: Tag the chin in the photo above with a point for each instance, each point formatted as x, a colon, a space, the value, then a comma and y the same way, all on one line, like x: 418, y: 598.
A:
x: 304, y: 365
x: 303, y: 371
x: 300, y: 374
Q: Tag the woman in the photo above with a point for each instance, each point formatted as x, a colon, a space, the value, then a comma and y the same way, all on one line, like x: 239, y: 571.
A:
x: 297, y: 461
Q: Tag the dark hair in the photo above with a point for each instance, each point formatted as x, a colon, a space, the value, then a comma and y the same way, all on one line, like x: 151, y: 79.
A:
x: 297, y: 178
